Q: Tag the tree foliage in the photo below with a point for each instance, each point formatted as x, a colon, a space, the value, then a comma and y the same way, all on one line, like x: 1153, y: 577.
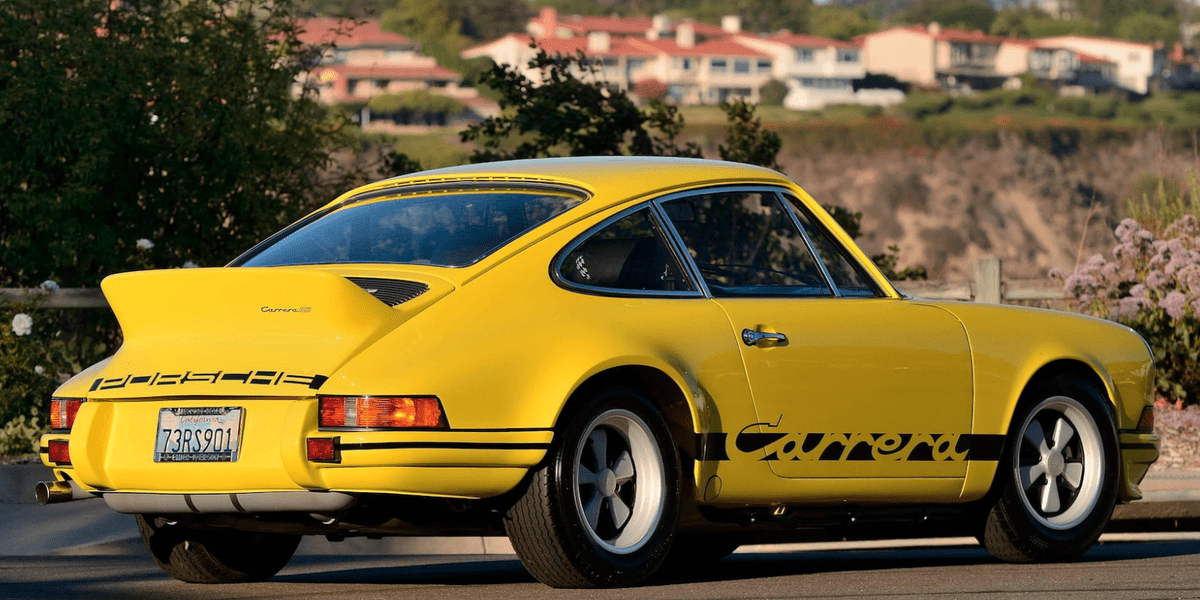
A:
x: 571, y: 111
x: 965, y: 14
x: 748, y: 142
x: 149, y: 120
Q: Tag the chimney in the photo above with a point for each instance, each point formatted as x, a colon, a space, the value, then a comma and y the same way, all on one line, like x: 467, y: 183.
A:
x: 935, y: 28
x: 685, y: 34
x: 661, y: 24
x: 598, y: 41
x: 731, y: 24
x: 651, y: 34
x: 549, y: 20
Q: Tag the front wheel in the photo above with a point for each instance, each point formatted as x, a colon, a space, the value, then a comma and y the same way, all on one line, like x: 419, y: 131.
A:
x: 1059, y: 476
x: 602, y: 512
x: 215, y: 555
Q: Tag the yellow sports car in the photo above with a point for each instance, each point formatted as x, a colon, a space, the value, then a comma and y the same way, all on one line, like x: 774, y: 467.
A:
x: 622, y: 363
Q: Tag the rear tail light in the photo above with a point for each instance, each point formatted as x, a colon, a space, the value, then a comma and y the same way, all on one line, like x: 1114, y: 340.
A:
x: 324, y: 450
x: 62, y: 412
x: 392, y: 412
x: 60, y: 452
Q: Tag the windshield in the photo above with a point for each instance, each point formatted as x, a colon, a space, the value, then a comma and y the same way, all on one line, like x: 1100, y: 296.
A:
x: 450, y: 230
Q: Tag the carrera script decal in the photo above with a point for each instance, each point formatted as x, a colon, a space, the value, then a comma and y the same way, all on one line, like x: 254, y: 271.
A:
x: 775, y: 445
x: 244, y: 377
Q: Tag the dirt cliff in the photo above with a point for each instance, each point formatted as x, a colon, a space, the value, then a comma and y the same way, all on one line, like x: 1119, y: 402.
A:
x: 1034, y: 204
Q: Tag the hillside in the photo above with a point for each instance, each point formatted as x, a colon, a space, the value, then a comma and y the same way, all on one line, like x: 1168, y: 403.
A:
x: 1027, y: 202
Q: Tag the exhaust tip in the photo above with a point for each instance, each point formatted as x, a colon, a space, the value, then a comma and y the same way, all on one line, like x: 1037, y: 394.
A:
x: 53, y: 492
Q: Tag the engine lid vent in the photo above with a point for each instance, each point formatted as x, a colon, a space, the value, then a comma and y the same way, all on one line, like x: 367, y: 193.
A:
x: 390, y: 291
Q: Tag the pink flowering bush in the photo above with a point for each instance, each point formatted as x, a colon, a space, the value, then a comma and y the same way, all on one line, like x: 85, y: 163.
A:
x: 1153, y: 286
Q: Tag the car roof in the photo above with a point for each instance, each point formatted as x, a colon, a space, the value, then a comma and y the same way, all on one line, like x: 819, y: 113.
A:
x: 607, y: 179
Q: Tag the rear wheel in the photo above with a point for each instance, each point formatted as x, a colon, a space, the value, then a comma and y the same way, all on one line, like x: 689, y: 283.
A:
x: 602, y: 512
x: 1059, y: 476
x: 215, y: 555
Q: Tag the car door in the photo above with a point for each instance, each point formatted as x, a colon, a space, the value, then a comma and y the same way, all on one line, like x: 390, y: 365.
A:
x: 846, y: 381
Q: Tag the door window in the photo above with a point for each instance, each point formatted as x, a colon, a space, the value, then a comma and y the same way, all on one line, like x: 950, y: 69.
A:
x: 846, y: 274
x: 746, y: 244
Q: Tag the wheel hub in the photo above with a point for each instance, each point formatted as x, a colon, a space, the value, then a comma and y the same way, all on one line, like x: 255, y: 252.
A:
x: 1055, y: 465
x: 608, y: 483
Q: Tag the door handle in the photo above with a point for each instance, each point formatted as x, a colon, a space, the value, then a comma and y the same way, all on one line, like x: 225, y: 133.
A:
x: 751, y: 337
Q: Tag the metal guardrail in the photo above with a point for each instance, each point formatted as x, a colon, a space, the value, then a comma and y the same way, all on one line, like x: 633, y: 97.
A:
x: 988, y: 286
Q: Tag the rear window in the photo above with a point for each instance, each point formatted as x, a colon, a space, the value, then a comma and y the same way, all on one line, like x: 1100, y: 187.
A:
x: 450, y: 230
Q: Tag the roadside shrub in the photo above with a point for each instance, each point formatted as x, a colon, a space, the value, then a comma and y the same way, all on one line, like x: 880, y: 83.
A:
x: 26, y: 379
x: 1152, y: 285
x: 772, y: 93
x: 927, y: 105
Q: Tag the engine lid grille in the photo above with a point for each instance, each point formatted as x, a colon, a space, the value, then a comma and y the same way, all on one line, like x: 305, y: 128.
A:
x: 391, y: 292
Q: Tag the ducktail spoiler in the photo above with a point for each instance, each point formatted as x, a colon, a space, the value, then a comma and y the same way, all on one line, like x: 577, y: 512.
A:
x: 236, y: 331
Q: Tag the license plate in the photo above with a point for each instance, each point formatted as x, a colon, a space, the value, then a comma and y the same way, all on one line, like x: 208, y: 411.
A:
x: 198, y: 434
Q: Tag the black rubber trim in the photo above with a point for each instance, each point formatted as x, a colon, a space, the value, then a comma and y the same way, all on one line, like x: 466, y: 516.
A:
x: 445, y: 446
x: 1139, y: 447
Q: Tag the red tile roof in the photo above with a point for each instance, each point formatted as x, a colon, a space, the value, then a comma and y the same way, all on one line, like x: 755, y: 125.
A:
x: 388, y: 72
x: 346, y: 34
x: 801, y: 40
x: 581, y: 25
x: 726, y: 47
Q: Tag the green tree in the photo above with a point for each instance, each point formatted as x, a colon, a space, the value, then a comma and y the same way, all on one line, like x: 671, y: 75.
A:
x: 570, y: 111
x: 748, y: 142
x: 430, y: 23
x: 162, y: 121
x: 1149, y: 28
x: 966, y: 14
x: 840, y: 23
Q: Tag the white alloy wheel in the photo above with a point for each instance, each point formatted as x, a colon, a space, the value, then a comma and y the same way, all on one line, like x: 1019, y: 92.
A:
x: 619, y: 481
x: 1060, y: 463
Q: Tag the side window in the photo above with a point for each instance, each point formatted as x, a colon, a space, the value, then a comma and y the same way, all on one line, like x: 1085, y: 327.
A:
x: 847, y: 275
x: 745, y: 244
x: 628, y: 254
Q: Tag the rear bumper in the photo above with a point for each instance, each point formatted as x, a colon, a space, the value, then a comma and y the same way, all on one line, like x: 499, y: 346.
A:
x: 112, y: 452
x: 1138, y: 452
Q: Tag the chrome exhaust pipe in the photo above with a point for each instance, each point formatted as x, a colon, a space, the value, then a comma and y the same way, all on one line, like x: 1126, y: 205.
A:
x: 53, y: 492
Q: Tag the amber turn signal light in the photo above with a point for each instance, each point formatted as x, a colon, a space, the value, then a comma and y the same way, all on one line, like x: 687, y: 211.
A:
x: 1146, y: 423
x: 60, y: 452
x: 384, y: 412
x: 62, y: 412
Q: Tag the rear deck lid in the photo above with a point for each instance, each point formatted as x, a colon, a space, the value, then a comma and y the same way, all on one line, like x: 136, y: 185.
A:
x: 247, y: 331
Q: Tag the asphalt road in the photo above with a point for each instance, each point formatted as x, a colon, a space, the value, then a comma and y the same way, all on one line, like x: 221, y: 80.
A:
x: 1163, y: 567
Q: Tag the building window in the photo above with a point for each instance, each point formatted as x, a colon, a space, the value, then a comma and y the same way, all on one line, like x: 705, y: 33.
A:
x: 718, y: 65
x: 764, y: 66
x: 351, y: 86
x: 683, y: 63
x: 804, y: 55
x: 847, y: 55
x: 741, y: 66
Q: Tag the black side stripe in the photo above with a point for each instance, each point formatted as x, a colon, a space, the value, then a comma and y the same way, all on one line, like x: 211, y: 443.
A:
x: 712, y: 446
x: 445, y: 446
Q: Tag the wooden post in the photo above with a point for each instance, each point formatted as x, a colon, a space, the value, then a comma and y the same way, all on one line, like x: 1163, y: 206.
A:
x: 987, y: 279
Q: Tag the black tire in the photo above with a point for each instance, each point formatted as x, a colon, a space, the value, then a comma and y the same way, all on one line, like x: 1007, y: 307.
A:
x: 215, y: 555
x: 602, y: 511
x: 1058, y: 477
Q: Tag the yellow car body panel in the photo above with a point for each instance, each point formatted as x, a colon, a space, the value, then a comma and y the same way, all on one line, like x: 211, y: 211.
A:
x: 504, y: 347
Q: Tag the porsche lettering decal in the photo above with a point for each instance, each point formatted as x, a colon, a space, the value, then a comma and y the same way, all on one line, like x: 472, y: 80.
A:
x: 245, y: 377
x: 802, y: 446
